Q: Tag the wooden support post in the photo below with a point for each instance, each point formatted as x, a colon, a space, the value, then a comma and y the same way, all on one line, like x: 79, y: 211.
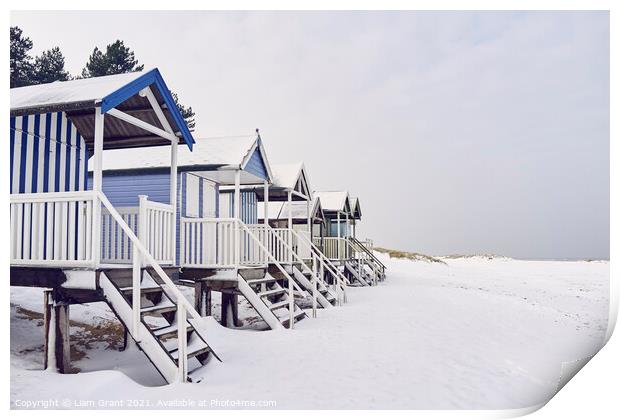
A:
x: 230, y: 310
x: 173, y: 194
x: 57, y: 352
x: 314, y: 285
x: 202, y: 298
x: 266, y: 224
x: 290, y: 225
x: 309, y: 218
x: 97, y: 185
x: 339, y: 247
x: 237, y: 213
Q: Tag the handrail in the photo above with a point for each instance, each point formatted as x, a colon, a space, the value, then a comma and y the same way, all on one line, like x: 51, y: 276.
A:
x: 51, y: 196
x: 183, y: 305
x: 53, y: 229
x: 330, y: 266
x: 363, y: 260
x: 270, y: 256
x: 365, y: 250
x: 292, y: 252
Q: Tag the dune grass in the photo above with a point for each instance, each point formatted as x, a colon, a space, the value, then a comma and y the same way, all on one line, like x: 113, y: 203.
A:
x: 414, y: 256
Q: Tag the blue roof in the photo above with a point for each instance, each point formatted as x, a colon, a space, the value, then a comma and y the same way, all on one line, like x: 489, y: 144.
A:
x: 150, y: 78
x: 105, y: 91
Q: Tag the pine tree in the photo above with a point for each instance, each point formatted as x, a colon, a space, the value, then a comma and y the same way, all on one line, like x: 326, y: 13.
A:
x: 118, y: 59
x: 187, y: 113
x: 49, y: 67
x: 21, y: 61
x: 115, y: 60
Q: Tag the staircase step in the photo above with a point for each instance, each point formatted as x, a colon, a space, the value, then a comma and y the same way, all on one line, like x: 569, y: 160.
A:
x: 185, y: 282
x: 195, y: 347
x: 278, y: 305
x: 285, y: 320
x: 170, y: 331
x: 261, y: 281
x: 143, y: 290
x: 272, y: 292
x: 162, y: 307
x: 331, y: 298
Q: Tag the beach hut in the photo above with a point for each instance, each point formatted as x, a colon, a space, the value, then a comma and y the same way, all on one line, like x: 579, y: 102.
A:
x: 289, y: 197
x: 56, y: 220
x: 221, y: 247
x: 339, y: 243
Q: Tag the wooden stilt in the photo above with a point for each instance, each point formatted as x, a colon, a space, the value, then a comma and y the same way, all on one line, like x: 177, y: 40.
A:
x: 225, y: 310
x: 230, y: 310
x: 202, y: 298
x: 206, y: 290
x: 234, y: 303
x: 57, y: 351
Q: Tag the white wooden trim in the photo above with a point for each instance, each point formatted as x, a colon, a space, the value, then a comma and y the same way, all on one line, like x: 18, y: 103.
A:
x: 158, y: 111
x: 141, y: 124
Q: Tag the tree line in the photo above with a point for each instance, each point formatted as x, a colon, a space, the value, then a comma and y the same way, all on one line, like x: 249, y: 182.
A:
x: 49, y: 66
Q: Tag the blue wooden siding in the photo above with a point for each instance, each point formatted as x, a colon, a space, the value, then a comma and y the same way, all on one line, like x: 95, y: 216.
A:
x: 47, y: 154
x: 249, y: 207
x: 123, y: 188
x: 256, y: 165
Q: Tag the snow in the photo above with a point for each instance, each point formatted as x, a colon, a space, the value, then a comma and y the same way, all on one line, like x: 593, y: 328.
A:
x: 286, y: 175
x: 72, y: 91
x: 80, y: 279
x: 278, y: 210
x: 217, y: 151
x: 476, y: 333
x: 333, y: 200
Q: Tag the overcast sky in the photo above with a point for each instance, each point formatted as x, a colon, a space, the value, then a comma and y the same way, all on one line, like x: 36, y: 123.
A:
x: 461, y: 132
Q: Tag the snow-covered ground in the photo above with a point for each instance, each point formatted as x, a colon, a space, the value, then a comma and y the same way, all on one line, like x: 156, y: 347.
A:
x: 476, y: 333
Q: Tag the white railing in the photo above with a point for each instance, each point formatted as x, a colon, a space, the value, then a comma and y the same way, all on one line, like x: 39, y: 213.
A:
x: 321, y: 264
x: 52, y: 229
x: 220, y: 243
x: 334, y: 248
x: 116, y: 246
x: 278, y: 240
x: 251, y: 253
x: 365, y: 257
x: 158, y: 234
x: 56, y: 229
x: 271, y: 258
x: 185, y: 309
x: 208, y: 242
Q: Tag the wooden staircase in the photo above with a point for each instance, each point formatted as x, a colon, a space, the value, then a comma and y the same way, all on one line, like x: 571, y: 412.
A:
x: 158, y: 330
x: 368, y: 259
x: 358, y: 272
x: 272, y: 302
x: 325, y: 296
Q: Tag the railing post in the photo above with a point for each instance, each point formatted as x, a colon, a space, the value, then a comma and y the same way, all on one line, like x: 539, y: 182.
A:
x: 182, y: 342
x: 182, y: 241
x: 314, y: 285
x: 237, y: 240
x: 291, y: 303
x: 136, y: 274
x: 96, y: 231
x: 143, y: 228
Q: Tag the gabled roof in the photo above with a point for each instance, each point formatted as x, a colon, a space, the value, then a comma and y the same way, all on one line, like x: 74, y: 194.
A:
x: 291, y: 176
x: 334, y: 201
x: 279, y: 210
x: 356, y: 210
x: 214, y: 154
x: 78, y: 99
